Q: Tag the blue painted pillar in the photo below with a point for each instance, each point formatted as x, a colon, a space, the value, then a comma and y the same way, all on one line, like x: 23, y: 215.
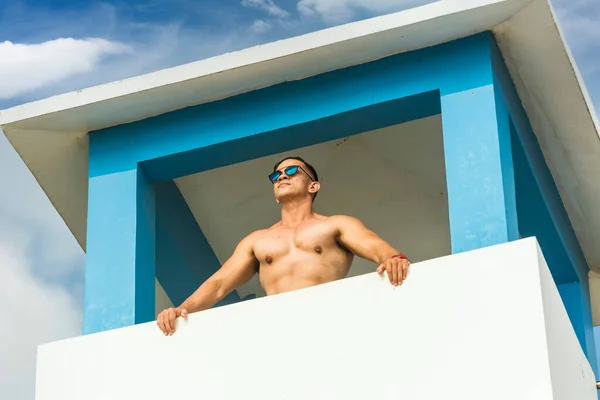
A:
x: 119, y: 276
x: 479, y: 169
x: 576, y: 298
x: 542, y: 214
x: 184, y: 258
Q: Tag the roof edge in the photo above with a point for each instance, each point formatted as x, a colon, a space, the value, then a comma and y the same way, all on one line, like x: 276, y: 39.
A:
x: 244, y: 58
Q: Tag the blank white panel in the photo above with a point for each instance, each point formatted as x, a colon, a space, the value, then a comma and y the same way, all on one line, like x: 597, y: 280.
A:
x: 479, y: 325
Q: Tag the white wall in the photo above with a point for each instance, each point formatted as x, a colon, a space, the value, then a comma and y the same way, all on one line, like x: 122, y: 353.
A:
x: 566, y: 362
x: 486, y: 324
x: 393, y: 179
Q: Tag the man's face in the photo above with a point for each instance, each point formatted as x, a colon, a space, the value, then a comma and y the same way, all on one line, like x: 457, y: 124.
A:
x: 295, y: 183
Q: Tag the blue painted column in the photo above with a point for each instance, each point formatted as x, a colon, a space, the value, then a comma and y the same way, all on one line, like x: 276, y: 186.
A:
x: 119, y: 276
x: 184, y: 258
x: 575, y: 297
x: 542, y: 214
x: 479, y: 169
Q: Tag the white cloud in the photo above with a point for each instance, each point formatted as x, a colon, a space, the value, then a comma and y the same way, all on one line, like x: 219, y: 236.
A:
x: 266, y: 5
x: 27, y: 67
x: 260, y: 26
x: 339, y: 11
x: 33, y: 311
x: 41, y: 276
x: 579, y: 20
x: 158, y: 46
x: 28, y: 218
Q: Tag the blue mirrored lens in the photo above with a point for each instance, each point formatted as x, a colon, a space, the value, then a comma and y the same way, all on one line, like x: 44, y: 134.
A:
x: 291, y: 170
x: 274, y: 175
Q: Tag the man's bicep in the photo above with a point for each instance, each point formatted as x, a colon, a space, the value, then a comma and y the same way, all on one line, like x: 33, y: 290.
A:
x: 239, y: 268
x: 353, y: 233
x: 362, y: 241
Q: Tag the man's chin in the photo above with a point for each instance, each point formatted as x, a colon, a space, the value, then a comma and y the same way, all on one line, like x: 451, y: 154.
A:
x: 285, y: 196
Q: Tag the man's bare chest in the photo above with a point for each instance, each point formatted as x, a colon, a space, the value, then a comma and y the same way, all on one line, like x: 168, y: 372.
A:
x: 314, y: 238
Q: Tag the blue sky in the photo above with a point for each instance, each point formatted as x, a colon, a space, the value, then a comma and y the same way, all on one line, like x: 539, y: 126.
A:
x: 143, y: 36
x: 54, y: 46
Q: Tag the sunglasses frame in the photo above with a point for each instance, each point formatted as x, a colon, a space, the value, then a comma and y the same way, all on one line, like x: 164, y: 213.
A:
x: 284, y: 171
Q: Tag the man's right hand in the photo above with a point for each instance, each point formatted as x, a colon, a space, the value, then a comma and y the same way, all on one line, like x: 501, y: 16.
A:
x: 166, y: 319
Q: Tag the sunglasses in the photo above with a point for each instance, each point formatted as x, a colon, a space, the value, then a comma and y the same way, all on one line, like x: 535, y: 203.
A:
x: 289, y: 171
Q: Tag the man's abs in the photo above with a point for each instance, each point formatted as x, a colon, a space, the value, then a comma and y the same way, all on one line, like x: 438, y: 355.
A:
x: 297, y: 271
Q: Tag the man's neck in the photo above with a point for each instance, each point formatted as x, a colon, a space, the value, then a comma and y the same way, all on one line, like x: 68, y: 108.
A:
x: 294, y: 212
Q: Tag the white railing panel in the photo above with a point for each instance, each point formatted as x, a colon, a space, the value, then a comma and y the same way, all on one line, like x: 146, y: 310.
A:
x: 478, y: 325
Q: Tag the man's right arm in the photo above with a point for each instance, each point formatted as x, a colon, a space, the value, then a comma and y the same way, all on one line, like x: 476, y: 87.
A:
x: 236, y: 271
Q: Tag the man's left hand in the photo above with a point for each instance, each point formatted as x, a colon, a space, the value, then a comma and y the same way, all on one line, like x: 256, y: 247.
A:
x: 397, y: 270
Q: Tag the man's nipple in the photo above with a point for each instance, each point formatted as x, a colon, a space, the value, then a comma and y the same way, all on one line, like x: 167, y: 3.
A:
x: 269, y: 259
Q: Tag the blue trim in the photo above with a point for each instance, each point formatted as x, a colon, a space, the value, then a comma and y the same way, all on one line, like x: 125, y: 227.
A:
x: 506, y: 160
x: 537, y: 164
x: 479, y: 170
x: 184, y: 258
x: 588, y: 326
x: 577, y: 305
x: 297, y: 136
x: 119, y: 277
x: 295, y: 114
x: 535, y: 219
x: 542, y: 214
x: 145, y: 288
x: 596, y: 331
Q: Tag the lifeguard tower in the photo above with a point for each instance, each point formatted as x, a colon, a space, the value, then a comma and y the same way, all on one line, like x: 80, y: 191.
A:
x: 460, y: 131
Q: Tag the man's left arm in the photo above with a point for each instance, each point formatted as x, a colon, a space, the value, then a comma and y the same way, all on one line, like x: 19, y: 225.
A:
x: 365, y: 243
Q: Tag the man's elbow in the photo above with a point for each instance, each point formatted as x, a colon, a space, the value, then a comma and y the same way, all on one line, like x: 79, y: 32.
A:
x: 220, y: 289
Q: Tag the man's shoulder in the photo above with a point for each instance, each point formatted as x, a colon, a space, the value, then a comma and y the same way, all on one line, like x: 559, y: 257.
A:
x: 257, y: 234
x: 248, y: 241
x: 341, y: 218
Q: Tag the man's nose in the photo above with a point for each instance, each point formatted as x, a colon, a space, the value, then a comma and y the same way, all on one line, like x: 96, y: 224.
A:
x: 282, y: 176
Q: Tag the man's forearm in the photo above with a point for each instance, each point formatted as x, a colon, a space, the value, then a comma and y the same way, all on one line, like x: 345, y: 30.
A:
x: 385, y: 254
x: 380, y: 251
x: 206, y: 296
x: 375, y: 250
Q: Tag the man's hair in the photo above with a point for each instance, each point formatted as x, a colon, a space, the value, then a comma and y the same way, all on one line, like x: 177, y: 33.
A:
x: 309, y: 168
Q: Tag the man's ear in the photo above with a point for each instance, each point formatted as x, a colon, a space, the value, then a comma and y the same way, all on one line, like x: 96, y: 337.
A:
x: 314, y: 187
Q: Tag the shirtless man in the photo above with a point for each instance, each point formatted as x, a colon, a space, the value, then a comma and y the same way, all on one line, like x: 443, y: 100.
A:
x: 303, y: 249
